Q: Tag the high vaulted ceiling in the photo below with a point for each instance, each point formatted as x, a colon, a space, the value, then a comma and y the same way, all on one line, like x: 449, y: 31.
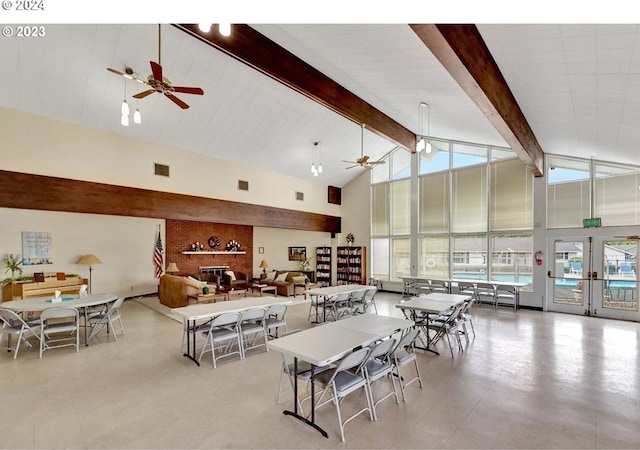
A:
x: 578, y: 87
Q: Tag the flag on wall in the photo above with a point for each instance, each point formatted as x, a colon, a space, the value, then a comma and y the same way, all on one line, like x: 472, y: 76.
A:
x: 158, y: 257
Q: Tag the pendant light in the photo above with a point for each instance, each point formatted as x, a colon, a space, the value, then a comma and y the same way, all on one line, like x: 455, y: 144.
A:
x: 319, y: 158
x: 423, y: 142
x: 224, y: 29
x: 314, y: 169
x: 124, y: 109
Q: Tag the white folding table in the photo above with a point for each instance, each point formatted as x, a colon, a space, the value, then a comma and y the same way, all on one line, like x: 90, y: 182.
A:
x: 205, y: 311
x: 327, y: 343
x: 34, y: 304
x: 326, y: 292
x: 434, y: 303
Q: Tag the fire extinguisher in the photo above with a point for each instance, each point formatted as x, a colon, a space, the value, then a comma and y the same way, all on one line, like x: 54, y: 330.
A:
x: 538, y: 257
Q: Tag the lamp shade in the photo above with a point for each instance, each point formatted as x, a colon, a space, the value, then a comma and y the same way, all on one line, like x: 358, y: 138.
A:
x: 89, y: 260
x: 172, y: 267
x: 263, y: 264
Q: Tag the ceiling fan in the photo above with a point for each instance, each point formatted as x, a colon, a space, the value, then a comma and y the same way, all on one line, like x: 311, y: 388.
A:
x: 363, y: 161
x: 157, y: 82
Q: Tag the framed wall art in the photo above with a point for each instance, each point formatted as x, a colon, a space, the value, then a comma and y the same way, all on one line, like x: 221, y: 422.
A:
x: 297, y: 253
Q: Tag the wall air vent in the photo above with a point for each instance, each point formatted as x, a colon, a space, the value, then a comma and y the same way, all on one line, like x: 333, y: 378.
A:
x: 161, y: 169
x: 300, y: 196
x: 243, y: 185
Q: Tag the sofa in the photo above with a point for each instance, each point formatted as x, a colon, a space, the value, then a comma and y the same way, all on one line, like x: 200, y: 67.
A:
x: 283, y: 280
x: 174, y: 289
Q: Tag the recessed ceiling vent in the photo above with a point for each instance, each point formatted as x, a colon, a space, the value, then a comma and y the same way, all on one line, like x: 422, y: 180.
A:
x: 243, y: 185
x: 161, y: 169
x: 300, y: 196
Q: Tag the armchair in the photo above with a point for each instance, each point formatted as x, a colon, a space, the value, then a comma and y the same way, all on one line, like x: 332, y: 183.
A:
x: 233, y: 279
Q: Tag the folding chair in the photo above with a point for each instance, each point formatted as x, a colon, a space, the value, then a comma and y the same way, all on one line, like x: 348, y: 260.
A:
x: 250, y: 326
x: 13, y: 324
x: 274, y: 319
x: 62, y: 332
x: 340, y: 305
x: 369, y: 299
x: 447, y: 326
x: 378, y: 365
x: 106, y: 319
x: 403, y: 354
x: 506, y: 295
x: 486, y: 292
x: 221, y: 329
x: 358, y: 302
x: 346, y: 378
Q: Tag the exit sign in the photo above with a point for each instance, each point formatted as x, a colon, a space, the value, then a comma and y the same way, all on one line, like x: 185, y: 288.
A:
x: 594, y: 222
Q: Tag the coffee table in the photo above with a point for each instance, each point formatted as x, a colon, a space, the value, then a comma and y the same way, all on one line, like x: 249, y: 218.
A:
x: 208, y: 298
x: 263, y: 288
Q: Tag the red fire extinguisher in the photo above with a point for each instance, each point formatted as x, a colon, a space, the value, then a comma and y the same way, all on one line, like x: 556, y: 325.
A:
x: 538, y: 257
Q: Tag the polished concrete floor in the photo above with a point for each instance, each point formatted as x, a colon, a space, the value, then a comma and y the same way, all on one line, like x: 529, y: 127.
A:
x: 527, y: 380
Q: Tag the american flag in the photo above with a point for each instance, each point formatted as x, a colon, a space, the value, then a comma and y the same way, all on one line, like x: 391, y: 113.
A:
x: 158, y: 257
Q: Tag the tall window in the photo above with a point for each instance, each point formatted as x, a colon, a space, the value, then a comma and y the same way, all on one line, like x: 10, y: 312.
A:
x: 475, y: 215
x: 568, y: 192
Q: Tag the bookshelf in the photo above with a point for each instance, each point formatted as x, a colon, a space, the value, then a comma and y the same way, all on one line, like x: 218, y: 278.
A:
x: 323, y: 266
x: 351, y: 265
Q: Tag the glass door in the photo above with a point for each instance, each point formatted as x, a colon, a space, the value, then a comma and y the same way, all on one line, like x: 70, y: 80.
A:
x: 596, y: 277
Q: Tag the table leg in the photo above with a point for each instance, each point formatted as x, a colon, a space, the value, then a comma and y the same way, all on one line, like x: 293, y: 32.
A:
x: 425, y: 330
x: 191, y: 342
x: 86, y: 324
x: 295, y: 413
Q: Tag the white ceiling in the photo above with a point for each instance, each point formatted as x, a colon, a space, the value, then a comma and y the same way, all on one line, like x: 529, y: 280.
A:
x: 578, y: 86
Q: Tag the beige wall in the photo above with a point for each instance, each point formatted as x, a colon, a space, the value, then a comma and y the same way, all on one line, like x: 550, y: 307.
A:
x: 38, y: 145
x: 125, y: 246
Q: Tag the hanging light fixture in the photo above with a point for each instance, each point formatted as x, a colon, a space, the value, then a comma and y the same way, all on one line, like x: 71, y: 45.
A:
x: 124, y: 109
x: 204, y: 27
x: 421, y: 143
x: 319, y: 158
x: 314, y: 169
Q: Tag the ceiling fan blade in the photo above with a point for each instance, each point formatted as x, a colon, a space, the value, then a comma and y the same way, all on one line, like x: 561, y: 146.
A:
x: 373, y: 163
x: 156, y: 69
x: 117, y: 72
x: 350, y: 162
x: 188, y: 90
x: 144, y: 93
x: 176, y: 100
x: 351, y: 167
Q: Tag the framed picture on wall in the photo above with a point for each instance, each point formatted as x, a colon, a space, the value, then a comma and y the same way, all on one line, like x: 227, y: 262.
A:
x: 297, y: 253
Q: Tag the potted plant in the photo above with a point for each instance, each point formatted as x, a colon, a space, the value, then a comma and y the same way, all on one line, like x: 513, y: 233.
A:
x: 577, y: 292
x: 12, y: 264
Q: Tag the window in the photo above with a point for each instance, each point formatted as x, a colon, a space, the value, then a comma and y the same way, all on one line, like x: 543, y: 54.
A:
x: 568, y: 192
x: 616, y: 194
x: 434, y: 203
x: 434, y: 256
x: 469, y: 257
x: 400, y: 258
x: 512, y: 257
x: 401, y: 207
x: 511, y: 196
x: 380, y: 258
x: 469, y: 199
x: 380, y: 209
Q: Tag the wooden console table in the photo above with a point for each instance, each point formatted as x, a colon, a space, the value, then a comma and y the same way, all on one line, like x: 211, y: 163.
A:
x: 22, y: 290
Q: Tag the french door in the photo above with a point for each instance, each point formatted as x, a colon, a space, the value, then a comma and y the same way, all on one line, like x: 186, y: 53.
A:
x: 595, y: 276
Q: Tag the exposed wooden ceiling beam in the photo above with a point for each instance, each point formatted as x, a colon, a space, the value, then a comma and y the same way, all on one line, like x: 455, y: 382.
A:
x: 254, y: 49
x: 463, y: 52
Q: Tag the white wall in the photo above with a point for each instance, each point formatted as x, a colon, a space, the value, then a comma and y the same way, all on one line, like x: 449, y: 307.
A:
x: 124, y: 245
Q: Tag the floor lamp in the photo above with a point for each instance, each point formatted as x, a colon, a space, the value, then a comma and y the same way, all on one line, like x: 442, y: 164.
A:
x: 89, y: 260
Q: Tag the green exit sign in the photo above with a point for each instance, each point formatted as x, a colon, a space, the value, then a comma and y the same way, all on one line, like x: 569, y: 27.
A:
x: 594, y: 222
